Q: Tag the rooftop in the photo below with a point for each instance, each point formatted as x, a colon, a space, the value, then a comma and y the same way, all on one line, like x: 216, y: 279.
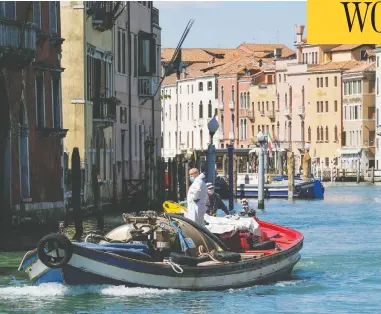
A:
x: 336, y: 66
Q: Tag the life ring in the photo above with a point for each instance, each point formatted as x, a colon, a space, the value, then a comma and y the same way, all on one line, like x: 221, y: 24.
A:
x: 50, y: 248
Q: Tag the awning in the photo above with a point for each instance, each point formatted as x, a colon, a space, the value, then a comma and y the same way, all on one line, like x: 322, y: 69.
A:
x: 350, y: 151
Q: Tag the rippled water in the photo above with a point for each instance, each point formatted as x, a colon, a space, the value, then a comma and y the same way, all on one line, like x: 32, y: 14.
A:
x: 340, y: 269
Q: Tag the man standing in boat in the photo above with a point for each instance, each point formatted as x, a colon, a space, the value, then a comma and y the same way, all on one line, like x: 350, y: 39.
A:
x: 215, y: 202
x: 197, y: 197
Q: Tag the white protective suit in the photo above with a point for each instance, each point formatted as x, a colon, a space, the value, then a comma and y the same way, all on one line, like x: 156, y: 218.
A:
x: 196, y: 199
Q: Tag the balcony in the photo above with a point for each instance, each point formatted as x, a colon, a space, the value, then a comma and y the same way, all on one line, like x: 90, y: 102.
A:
x: 147, y: 86
x: 378, y: 130
x: 270, y: 115
x: 221, y: 106
x: 300, y: 145
x: 105, y: 112
x: 231, y: 105
x: 155, y: 16
x: 246, y: 113
x: 17, y: 44
x: 301, y: 110
x: 287, y: 112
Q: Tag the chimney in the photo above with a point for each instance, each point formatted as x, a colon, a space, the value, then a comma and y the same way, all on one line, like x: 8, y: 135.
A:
x: 278, y: 53
x: 299, y: 29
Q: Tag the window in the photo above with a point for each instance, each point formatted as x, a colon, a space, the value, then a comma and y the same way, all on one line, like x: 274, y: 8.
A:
x: 285, y: 100
x: 335, y: 81
x: 40, y: 100
x: 201, y: 139
x: 56, y: 102
x: 267, y: 106
x: 318, y: 107
x: 53, y: 17
x: 192, y: 112
x: 136, y: 60
x: 200, y: 87
x: 378, y: 87
x: 321, y: 134
x: 188, y: 114
x: 123, y: 115
x: 336, y: 137
x: 180, y: 90
x: 363, y: 54
x: 37, y: 13
x: 317, y: 134
x: 326, y: 82
x: 303, y: 97
x: 232, y: 93
x: 280, y: 78
x: 317, y: 82
x: 169, y: 140
x: 321, y: 82
x: 335, y: 106
x: 192, y: 88
x: 326, y: 133
x: 147, y: 54
x: 326, y: 106
x: 309, y: 134
x: 222, y: 94
x: 210, y: 85
x: 241, y: 100
x: 121, y: 53
x: 8, y: 9
x: 321, y: 106
x: 181, y: 113
x: 326, y: 161
x: 278, y: 101
x: 210, y: 109
x: 200, y: 110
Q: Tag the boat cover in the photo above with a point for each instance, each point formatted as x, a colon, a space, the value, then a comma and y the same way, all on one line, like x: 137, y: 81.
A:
x: 220, y: 225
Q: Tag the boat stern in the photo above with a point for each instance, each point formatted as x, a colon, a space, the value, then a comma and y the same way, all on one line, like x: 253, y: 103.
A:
x: 39, y: 273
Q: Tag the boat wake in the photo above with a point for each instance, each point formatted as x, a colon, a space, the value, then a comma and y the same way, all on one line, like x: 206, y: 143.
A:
x: 48, y: 290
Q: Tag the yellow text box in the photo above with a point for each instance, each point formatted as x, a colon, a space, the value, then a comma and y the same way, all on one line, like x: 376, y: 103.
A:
x: 343, y: 22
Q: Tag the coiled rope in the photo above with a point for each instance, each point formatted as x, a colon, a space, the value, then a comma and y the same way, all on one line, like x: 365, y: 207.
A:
x: 175, y: 267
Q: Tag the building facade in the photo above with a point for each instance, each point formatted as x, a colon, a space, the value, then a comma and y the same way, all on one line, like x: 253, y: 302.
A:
x: 89, y: 105
x: 359, y: 113
x: 31, y: 132
x: 137, y: 46
x: 378, y: 109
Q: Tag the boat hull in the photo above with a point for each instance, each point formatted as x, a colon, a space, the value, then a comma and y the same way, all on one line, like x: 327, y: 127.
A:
x: 302, y: 190
x: 88, y: 266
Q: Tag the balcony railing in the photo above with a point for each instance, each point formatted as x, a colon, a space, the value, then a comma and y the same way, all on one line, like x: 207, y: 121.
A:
x: 301, y: 110
x: 287, y: 111
x: 155, y: 16
x: 300, y: 145
x: 147, y: 86
x: 271, y: 115
x: 106, y: 110
x: 17, y: 42
x: 246, y: 113
x: 378, y: 130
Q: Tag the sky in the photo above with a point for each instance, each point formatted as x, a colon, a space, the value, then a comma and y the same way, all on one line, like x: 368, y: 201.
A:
x: 229, y: 24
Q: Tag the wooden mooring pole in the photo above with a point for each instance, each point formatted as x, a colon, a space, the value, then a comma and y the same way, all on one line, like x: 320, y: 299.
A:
x: 76, y: 192
x: 290, y: 168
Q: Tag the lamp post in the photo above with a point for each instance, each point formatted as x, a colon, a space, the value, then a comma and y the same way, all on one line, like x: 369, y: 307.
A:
x: 211, y: 172
x: 261, y: 171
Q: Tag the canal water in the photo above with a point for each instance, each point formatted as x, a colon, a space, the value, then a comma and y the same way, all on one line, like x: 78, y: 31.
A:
x: 340, y: 269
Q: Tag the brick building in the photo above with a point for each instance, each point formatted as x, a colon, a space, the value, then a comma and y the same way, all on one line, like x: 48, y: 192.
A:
x: 30, y: 108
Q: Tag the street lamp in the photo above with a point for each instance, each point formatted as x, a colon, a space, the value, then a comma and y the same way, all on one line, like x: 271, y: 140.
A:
x: 261, y: 171
x: 211, y: 161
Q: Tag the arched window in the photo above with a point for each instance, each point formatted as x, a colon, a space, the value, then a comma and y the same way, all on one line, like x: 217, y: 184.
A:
x: 245, y: 129
x: 232, y: 93
x: 200, y: 110
x: 222, y: 94
x: 290, y: 95
x: 201, y: 140
x: 303, y: 96
x: 302, y: 130
x: 241, y: 100
x: 170, y: 112
x: 180, y: 137
x: 192, y: 112
x: 188, y: 112
x: 210, y: 109
x: 200, y: 87
x: 289, y: 131
x: 318, y: 134
x: 244, y: 100
x: 326, y: 133
x: 277, y: 129
x: 278, y: 101
x: 248, y: 100
x: 180, y: 113
x: 309, y: 134
x: 321, y: 134
x: 285, y: 100
x: 336, y: 139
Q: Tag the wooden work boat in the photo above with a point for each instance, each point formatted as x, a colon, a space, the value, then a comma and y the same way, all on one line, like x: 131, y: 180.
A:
x: 210, y: 264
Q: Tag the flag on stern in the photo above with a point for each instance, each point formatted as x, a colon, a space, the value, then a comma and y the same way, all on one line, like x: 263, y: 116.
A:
x: 269, y: 141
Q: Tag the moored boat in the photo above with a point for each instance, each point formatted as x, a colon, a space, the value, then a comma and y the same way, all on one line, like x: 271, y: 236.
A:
x: 170, y: 251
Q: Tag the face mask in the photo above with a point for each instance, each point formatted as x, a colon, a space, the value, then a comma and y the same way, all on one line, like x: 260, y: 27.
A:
x: 191, y: 179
